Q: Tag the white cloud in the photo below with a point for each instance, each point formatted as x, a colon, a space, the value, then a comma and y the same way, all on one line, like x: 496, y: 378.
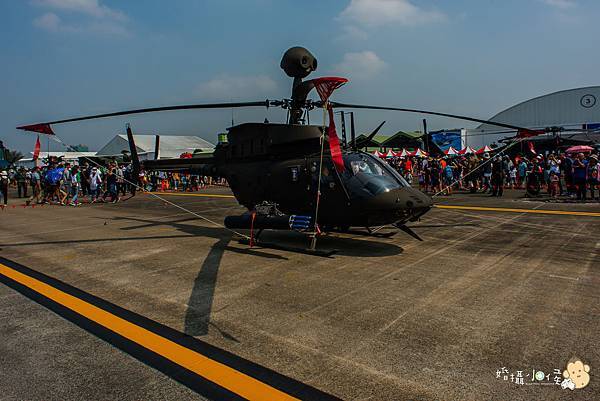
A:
x: 236, y: 87
x: 90, y: 7
x: 361, y: 65
x: 48, y: 21
x: 562, y: 4
x: 352, y: 32
x: 91, y: 16
x: 373, y: 13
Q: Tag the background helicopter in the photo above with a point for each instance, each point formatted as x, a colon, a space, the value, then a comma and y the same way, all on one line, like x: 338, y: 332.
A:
x: 295, y: 175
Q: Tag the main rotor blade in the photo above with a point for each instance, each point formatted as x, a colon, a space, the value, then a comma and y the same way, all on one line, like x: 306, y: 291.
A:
x: 435, y: 113
x: 40, y: 127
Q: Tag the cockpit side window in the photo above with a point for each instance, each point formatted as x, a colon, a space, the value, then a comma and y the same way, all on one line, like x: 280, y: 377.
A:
x: 369, y: 165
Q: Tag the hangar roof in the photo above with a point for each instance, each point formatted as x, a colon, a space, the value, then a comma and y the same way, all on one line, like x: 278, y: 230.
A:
x: 572, y: 107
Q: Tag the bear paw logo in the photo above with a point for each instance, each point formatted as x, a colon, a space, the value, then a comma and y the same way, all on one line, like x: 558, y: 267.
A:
x: 577, y: 375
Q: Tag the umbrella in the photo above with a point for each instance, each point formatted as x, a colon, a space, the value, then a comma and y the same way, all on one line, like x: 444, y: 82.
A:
x: 390, y: 153
x: 580, y: 149
x: 377, y: 153
x: 419, y: 153
x: 451, y: 151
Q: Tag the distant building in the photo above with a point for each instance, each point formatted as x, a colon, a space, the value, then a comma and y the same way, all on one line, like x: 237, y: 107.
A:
x: 170, y: 146
x: 398, y: 140
x: 70, y: 157
x: 80, y: 148
x: 577, y: 111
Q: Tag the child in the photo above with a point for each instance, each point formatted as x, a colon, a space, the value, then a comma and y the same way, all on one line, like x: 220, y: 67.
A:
x: 513, y: 177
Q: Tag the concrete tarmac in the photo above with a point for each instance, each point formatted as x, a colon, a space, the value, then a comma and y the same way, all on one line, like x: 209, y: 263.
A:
x: 384, y: 319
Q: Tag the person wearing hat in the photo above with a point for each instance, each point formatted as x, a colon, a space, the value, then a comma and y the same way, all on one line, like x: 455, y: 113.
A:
x: 4, y: 186
x: 95, y: 184
x: 21, y: 178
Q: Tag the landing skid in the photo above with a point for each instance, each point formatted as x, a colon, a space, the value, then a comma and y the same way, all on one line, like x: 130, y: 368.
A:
x: 368, y: 233
x: 326, y: 253
x: 377, y: 234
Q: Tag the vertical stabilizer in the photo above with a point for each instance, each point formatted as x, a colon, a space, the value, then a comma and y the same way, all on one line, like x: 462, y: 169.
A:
x: 135, y: 160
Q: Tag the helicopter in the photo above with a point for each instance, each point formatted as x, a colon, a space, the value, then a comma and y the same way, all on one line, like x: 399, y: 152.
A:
x: 294, y: 175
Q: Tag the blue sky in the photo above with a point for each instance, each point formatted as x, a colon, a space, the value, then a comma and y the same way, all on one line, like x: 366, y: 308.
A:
x: 64, y: 58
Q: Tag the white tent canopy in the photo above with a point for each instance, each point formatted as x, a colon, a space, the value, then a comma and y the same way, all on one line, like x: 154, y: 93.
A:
x: 451, y: 151
x: 404, y: 153
x: 170, y: 146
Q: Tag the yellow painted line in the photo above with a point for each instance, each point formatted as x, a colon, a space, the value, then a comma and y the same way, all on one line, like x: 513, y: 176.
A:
x: 509, y: 210
x: 223, y: 375
x: 190, y: 194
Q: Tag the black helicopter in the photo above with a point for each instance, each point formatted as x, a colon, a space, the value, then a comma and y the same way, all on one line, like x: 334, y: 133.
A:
x: 292, y: 175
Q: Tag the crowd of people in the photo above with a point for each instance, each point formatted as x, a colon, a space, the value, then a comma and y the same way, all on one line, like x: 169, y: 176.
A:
x: 559, y: 174
x: 180, y: 182
x: 67, y: 184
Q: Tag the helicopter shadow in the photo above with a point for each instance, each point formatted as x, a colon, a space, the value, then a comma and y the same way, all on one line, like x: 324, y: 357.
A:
x: 200, y: 303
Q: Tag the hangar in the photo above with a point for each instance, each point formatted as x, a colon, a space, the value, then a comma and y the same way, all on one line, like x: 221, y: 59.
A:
x: 572, y: 112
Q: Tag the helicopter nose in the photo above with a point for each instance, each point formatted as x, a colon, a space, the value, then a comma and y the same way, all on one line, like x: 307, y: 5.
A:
x: 423, y: 200
x: 416, y: 201
x: 402, y: 204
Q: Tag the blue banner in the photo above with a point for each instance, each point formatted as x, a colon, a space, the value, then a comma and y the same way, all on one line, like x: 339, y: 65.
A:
x: 445, y: 139
x: 54, y: 176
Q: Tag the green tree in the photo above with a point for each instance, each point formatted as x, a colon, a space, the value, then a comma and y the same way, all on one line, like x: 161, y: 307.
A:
x: 13, y: 156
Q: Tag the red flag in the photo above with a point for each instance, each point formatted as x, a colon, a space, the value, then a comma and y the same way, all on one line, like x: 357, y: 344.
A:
x: 531, y: 148
x: 36, y: 150
x: 334, y: 143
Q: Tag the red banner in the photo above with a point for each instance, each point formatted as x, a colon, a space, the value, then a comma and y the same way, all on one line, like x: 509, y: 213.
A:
x: 36, y: 150
x: 325, y: 87
x: 334, y: 143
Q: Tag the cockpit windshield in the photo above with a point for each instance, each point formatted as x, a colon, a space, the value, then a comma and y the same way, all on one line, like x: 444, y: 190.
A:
x: 376, y: 175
